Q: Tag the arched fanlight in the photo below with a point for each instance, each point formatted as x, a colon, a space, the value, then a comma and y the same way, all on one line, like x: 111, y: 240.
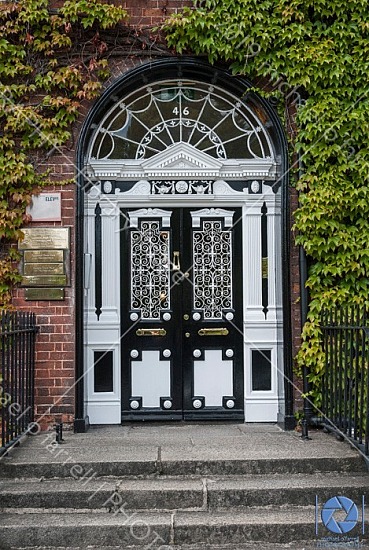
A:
x: 207, y: 117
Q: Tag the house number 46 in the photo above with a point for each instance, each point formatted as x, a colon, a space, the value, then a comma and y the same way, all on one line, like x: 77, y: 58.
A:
x: 185, y: 111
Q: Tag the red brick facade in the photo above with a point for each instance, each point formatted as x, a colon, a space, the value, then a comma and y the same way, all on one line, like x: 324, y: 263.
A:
x: 151, y: 12
x: 55, y: 350
x: 55, y: 344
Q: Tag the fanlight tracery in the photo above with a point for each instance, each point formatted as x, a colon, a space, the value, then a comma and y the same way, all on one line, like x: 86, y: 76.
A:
x: 207, y: 117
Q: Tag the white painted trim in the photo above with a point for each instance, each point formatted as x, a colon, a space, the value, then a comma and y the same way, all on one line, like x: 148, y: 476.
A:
x: 164, y: 215
x: 181, y: 161
x: 197, y: 215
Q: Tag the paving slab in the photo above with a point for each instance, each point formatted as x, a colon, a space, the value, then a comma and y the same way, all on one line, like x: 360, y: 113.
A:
x: 262, y: 441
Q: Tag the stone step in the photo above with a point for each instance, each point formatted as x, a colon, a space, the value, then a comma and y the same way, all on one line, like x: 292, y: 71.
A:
x: 181, y: 493
x: 295, y: 545
x: 148, y: 530
x: 32, y: 467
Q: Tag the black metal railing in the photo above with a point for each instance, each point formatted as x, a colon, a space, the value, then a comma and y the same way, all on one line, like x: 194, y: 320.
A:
x: 17, y: 361
x: 345, y: 391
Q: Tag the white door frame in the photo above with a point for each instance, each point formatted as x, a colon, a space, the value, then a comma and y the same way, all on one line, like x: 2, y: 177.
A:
x: 262, y: 332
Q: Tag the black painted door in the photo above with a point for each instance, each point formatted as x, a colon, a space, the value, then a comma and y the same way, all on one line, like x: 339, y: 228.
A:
x: 181, y: 288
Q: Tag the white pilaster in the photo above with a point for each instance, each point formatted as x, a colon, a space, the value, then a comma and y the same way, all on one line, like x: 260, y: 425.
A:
x: 252, y: 260
x: 110, y: 263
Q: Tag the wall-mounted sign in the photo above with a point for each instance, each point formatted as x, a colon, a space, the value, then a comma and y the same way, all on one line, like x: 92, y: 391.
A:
x: 45, y: 238
x: 45, y: 207
x: 53, y: 294
x: 45, y: 262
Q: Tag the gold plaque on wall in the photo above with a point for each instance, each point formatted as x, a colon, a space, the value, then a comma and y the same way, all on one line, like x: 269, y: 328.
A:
x: 43, y: 256
x: 44, y: 294
x: 45, y: 238
x: 43, y: 269
x: 44, y: 280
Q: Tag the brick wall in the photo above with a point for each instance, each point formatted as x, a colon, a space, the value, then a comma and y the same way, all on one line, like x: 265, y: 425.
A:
x: 151, y: 12
x: 295, y: 300
x: 55, y: 361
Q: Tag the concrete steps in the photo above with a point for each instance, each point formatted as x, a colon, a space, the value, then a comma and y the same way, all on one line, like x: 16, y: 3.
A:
x: 176, y: 497
x: 34, y: 468
x: 145, y: 528
x: 165, y: 493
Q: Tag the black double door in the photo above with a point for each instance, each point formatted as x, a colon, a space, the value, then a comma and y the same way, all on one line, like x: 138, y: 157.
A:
x: 181, y: 289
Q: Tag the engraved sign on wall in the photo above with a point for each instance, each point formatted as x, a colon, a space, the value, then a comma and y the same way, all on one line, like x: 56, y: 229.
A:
x: 45, y: 266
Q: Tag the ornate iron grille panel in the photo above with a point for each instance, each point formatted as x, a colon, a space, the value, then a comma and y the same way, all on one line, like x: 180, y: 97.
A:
x: 150, y: 270
x: 212, y: 269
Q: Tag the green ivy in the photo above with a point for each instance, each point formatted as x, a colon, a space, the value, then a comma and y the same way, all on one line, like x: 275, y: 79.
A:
x: 51, y: 60
x: 320, y: 49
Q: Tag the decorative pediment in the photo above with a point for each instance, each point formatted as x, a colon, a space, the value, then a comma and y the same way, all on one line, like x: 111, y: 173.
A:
x: 135, y: 215
x: 198, y: 215
x: 181, y: 156
x: 182, y: 161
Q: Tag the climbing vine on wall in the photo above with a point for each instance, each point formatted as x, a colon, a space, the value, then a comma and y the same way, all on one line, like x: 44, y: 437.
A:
x: 51, y: 60
x: 315, y: 54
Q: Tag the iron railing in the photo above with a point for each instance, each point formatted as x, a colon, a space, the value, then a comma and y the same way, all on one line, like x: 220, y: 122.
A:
x: 17, y: 361
x: 345, y: 391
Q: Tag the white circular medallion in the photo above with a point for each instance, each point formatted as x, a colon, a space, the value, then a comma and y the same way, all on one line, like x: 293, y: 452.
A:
x: 107, y: 186
x: 167, y: 404
x: 230, y: 404
x: 255, y: 186
x: 197, y: 353
x: 197, y: 404
x: 196, y: 316
x: 167, y: 316
x: 134, y: 404
x: 181, y: 186
x: 134, y: 316
x: 229, y: 352
x: 229, y: 316
x: 167, y: 353
x: 134, y: 354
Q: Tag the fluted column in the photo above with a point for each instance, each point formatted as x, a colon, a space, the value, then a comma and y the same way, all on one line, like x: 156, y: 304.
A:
x: 252, y: 261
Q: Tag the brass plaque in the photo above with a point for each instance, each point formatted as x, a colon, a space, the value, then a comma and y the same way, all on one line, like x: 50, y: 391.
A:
x: 43, y: 269
x: 44, y: 280
x: 45, y: 238
x: 43, y: 256
x: 44, y: 293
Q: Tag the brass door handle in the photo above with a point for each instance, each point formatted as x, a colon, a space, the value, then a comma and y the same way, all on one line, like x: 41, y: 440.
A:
x: 151, y: 332
x: 176, y: 262
x: 213, y: 332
